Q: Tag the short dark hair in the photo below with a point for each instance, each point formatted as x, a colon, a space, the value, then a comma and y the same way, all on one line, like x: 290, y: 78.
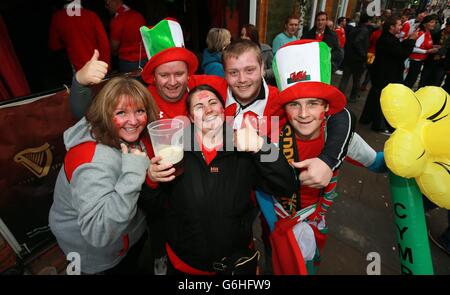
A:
x: 199, y: 88
x: 390, y: 21
x: 252, y: 32
x: 319, y: 14
x: 364, y: 18
x: 341, y: 19
x: 407, y: 11
x: 419, y: 11
x: 428, y: 19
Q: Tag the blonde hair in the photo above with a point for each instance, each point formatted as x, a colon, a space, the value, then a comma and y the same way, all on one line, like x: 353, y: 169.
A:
x: 101, y: 111
x: 237, y: 48
x: 217, y: 39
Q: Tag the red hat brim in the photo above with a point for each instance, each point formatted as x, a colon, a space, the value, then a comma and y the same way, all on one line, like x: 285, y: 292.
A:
x: 334, y: 97
x: 168, y: 55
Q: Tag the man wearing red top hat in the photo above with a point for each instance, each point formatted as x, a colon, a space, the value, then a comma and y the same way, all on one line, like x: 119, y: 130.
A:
x: 248, y: 94
x: 169, y: 72
x: 305, y: 106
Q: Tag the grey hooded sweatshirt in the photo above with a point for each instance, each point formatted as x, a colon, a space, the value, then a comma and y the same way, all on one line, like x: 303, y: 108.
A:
x: 94, y: 211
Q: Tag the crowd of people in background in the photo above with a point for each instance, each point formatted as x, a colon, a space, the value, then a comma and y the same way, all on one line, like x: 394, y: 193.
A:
x: 238, y: 80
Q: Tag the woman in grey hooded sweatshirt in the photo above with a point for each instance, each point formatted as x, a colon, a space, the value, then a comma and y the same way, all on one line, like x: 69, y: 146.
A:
x: 94, y: 211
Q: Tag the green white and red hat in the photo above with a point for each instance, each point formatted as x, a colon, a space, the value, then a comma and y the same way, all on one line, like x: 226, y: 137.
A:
x: 164, y: 43
x: 302, y: 69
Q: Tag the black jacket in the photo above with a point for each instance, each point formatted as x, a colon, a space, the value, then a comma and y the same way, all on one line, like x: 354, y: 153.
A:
x: 331, y: 39
x: 357, y: 45
x: 209, y: 212
x: 390, y: 55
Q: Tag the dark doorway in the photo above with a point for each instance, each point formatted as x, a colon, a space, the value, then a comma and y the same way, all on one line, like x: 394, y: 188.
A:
x: 28, y: 26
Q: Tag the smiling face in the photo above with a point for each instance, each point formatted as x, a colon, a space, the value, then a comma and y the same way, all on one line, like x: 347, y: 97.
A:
x: 321, y: 22
x: 129, y: 119
x: 244, y: 76
x: 429, y: 26
x: 206, y: 111
x: 306, y: 115
x: 171, y: 80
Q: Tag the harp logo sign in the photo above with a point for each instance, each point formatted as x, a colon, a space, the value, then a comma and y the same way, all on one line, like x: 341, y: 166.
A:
x: 298, y: 77
x: 37, y: 160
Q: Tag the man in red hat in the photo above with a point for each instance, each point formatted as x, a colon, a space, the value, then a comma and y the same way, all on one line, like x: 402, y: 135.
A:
x: 305, y: 108
x: 249, y: 95
x: 169, y: 74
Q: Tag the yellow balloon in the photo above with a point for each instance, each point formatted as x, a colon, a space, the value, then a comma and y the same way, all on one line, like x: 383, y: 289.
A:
x: 436, y: 135
x: 420, y: 145
x: 437, y: 191
x: 405, y: 154
x: 434, y: 101
x: 400, y: 106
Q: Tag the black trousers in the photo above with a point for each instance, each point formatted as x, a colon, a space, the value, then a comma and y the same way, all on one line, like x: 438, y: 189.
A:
x: 355, y: 72
x: 413, y: 73
x: 372, y: 111
x: 432, y: 74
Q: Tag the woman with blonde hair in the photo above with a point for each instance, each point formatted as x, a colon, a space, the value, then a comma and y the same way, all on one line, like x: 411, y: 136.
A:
x: 94, y: 211
x: 217, y: 40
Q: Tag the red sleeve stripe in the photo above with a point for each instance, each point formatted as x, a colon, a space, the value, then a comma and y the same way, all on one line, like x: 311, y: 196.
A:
x: 78, y: 155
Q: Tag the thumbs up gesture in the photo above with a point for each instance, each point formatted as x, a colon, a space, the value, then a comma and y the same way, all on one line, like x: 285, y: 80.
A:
x: 247, y: 139
x: 93, y: 71
x: 315, y: 172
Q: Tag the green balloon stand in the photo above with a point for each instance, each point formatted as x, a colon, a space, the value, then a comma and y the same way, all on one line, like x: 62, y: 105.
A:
x: 411, y: 229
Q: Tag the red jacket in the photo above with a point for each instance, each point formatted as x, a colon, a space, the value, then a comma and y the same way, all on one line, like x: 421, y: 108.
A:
x: 341, y: 36
x: 373, y: 40
x: 423, y: 43
x: 404, y: 33
x: 79, y: 35
x: 125, y: 30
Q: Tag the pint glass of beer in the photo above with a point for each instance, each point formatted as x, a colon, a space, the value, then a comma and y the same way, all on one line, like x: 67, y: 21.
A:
x: 167, y: 142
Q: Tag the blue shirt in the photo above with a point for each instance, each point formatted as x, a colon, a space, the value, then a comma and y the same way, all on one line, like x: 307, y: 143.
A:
x: 280, y: 40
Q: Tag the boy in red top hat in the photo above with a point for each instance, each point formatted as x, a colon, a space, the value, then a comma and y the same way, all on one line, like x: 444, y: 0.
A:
x: 304, y: 106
